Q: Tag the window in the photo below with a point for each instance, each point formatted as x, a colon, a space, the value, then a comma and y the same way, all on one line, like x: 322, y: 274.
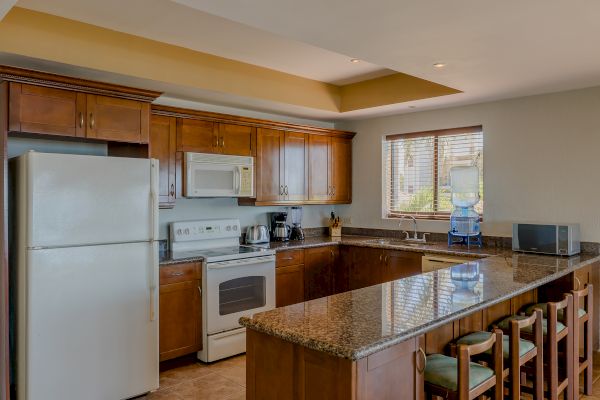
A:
x: 417, y: 168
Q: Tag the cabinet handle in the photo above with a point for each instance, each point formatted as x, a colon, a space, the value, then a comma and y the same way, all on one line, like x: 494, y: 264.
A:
x: 176, y: 273
x: 222, y: 141
x: 286, y: 190
x: 200, y: 290
x: 281, y: 190
x: 92, y: 121
x: 421, y: 352
x: 172, y: 190
x: 332, y: 255
x: 578, y: 283
x: 287, y: 258
x: 333, y: 190
x: 385, y: 259
x: 81, y: 120
x: 216, y: 141
x: 380, y: 257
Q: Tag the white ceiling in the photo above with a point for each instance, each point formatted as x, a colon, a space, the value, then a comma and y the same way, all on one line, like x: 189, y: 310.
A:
x: 493, y: 50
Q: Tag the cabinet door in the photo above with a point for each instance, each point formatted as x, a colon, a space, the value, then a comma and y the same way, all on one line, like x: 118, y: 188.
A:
x: 118, y: 120
x: 162, y: 147
x: 318, y: 166
x: 197, y: 136
x: 289, y: 283
x: 237, y: 140
x: 37, y: 109
x: 269, y: 171
x: 341, y: 169
x: 295, y: 181
x: 367, y: 267
x: 318, y: 272
x: 400, y: 264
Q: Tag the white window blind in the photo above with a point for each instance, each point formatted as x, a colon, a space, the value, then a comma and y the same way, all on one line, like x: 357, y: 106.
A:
x: 417, y: 167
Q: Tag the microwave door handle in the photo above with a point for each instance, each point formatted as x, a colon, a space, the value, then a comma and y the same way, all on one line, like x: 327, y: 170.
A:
x: 237, y: 176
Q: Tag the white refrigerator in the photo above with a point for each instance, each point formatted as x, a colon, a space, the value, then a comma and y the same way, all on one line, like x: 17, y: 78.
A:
x: 87, y: 272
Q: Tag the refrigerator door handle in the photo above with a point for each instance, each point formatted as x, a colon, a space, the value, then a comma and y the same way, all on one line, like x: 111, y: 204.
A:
x: 154, y: 199
x: 152, y: 279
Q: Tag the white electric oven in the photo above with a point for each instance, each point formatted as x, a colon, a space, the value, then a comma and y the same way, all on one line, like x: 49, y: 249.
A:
x: 237, y: 281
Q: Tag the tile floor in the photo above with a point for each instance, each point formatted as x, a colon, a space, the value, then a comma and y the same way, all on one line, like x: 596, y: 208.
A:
x: 188, y: 379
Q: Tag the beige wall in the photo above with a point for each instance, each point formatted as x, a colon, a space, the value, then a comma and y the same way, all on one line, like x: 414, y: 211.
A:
x: 541, y: 161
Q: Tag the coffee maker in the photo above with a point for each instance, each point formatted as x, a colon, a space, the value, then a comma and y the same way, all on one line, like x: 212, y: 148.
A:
x: 279, y: 230
x: 296, y: 216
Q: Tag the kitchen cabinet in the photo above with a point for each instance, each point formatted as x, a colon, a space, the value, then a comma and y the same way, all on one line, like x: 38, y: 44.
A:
x: 401, y: 264
x: 269, y: 165
x: 202, y: 136
x: 333, y: 155
x: 289, y: 278
x: 280, y: 167
x: 117, y: 120
x: 371, y: 266
x: 197, y: 136
x: 236, y: 140
x: 52, y: 111
x: 44, y: 110
x: 180, y: 310
x: 319, y: 267
x: 163, y: 132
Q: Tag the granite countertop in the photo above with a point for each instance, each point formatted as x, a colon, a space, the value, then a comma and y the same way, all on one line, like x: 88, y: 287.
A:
x: 361, y: 322
x: 365, y: 241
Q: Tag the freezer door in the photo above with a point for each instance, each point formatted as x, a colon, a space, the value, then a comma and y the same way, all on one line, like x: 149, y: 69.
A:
x: 70, y: 200
x: 87, y: 323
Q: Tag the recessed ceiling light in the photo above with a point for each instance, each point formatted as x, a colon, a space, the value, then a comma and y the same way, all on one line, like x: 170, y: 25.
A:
x: 439, y: 65
x: 354, y: 60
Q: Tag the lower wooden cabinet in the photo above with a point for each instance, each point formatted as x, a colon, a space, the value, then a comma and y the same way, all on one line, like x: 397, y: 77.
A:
x: 319, y: 266
x: 180, y: 310
x: 401, y: 264
x: 289, y: 283
x: 371, y: 266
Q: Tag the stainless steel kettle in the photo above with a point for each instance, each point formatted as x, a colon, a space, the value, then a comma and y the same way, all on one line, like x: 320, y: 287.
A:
x: 257, y: 234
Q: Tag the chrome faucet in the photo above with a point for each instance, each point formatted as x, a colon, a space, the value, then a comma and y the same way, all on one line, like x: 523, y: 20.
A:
x: 415, y: 237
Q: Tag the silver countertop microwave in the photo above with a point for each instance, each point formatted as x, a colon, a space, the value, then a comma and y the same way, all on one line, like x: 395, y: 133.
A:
x: 558, y: 239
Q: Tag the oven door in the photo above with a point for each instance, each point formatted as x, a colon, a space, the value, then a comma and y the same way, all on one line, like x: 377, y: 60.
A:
x: 237, y: 288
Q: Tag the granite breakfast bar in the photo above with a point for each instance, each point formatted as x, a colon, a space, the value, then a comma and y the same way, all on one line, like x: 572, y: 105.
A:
x: 371, y: 343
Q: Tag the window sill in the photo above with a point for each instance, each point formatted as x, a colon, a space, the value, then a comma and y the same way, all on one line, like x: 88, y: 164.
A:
x: 439, y: 217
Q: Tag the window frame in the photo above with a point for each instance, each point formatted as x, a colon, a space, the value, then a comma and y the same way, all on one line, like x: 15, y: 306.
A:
x: 437, y: 133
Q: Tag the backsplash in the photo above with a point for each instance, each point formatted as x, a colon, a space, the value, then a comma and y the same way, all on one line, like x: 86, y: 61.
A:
x: 212, y: 208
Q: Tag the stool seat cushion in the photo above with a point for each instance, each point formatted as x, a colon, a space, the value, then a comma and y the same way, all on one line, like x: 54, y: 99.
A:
x: 442, y: 371
x: 525, y: 346
x: 544, y: 307
x: 505, y: 324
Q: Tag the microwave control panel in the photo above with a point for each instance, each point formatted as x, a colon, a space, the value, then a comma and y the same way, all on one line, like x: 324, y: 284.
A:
x: 246, y: 181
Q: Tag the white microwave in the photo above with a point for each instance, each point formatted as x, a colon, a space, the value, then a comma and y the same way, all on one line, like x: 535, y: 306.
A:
x: 218, y: 175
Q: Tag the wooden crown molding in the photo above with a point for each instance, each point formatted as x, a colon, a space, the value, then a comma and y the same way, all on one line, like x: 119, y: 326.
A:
x: 233, y: 119
x: 32, y: 77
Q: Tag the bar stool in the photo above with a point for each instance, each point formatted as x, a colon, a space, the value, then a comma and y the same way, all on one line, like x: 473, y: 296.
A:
x: 554, y: 332
x: 583, y: 306
x: 517, y: 352
x: 459, y: 378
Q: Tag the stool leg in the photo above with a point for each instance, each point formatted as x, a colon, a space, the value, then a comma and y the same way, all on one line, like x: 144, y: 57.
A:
x: 588, y: 380
x: 571, y: 325
x: 552, y: 362
x: 513, y: 356
x: 575, y: 338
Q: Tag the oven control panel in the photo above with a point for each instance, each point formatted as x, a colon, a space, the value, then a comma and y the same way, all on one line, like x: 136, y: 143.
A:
x: 188, y: 231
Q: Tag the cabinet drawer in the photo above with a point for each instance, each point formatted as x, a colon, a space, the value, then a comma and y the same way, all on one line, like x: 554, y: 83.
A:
x: 179, y: 272
x: 290, y: 257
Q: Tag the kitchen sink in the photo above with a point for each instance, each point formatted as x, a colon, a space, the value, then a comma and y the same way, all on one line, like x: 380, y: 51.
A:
x: 394, y: 242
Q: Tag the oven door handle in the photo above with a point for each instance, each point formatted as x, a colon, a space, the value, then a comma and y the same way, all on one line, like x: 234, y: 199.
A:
x: 240, y: 263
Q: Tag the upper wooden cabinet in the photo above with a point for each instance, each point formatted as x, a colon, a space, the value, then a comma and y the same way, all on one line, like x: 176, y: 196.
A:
x: 48, y: 104
x: 37, y: 109
x: 280, y: 166
x: 117, y: 120
x: 333, y: 155
x: 163, y: 148
x: 202, y: 136
x: 197, y: 136
x: 237, y: 140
